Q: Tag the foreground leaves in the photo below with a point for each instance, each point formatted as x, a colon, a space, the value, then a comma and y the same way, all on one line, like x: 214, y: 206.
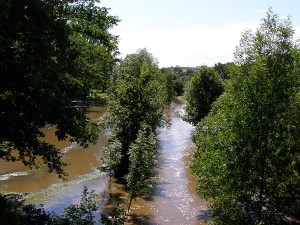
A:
x: 44, y: 66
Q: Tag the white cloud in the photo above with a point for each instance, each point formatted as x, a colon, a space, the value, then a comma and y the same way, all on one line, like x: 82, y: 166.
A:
x: 187, y: 47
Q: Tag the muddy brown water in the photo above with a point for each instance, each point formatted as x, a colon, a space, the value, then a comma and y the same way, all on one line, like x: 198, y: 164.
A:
x: 174, y: 200
x: 14, y: 177
x: 46, y: 188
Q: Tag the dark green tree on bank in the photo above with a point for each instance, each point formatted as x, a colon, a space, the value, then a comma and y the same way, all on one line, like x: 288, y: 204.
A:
x: 173, y: 84
x: 136, y: 98
x: 169, y: 86
x: 202, y: 90
x: 50, y: 52
x: 247, y: 159
x: 223, y: 69
x: 180, y: 76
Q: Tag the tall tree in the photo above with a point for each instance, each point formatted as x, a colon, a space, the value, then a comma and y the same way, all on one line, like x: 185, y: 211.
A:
x: 169, y: 86
x: 112, y: 156
x: 40, y: 66
x: 135, y: 98
x: 247, y: 157
x: 142, y: 160
x: 202, y: 90
x: 173, y: 84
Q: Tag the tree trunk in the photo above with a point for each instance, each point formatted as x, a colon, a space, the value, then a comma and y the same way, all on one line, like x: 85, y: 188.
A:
x: 109, y: 182
x: 261, y: 190
x: 131, y: 197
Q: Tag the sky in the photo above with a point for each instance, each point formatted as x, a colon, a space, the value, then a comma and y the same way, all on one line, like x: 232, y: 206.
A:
x: 191, y: 32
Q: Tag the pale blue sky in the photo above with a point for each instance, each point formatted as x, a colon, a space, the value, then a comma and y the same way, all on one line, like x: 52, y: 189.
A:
x: 191, y: 32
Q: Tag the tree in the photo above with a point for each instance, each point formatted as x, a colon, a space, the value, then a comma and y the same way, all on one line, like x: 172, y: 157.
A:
x: 142, y: 161
x: 135, y: 98
x: 169, y: 86
x: 42, y: 46
x: 116, y: 216
x: 178, y: 85
x: 112, y: 155
x: 202, y: 90
x: 173, y: 84
x: 95, y: 47
x: 247, y: 158
x: 223, y: 69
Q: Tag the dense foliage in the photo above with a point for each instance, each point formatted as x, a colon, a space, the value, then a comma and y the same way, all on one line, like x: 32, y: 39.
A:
x: 223, y: 69
x: 142, y: 155
x: 173, y: 84
x: 136, y: 104
x: 116, y: 216
x: 112, y: 156
x: 92, y: 44
x: 248, y: 159
x: 180, y: 77
x: 51, y: 52
x: 136, y: 98
x: 202, y: 90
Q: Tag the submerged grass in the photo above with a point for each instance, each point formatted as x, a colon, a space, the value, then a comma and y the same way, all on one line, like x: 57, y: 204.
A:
x: 55, y: 190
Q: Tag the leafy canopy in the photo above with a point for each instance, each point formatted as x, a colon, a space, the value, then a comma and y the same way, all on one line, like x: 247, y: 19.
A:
x: 247, y: 157
x: 48, y: 50
x: 136, y: 98
x: 202, y: 90
x: 142, y: 160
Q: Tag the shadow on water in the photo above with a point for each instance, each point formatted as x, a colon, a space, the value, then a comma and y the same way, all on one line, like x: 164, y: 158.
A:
x: 146, y: 219
x: 159, y: 192
x: 203, y: 216
x: 142, y: 220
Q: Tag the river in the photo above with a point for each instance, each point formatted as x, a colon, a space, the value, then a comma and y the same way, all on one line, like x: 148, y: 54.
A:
x: 47, y: 188
x: 174, y: 200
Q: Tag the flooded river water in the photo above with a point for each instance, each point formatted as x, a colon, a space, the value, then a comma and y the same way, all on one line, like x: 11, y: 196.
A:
x: 174, y: 200
x: 47, y: 188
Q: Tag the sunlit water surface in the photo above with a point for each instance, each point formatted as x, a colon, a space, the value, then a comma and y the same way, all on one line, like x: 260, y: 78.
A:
x: 174, y: 200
